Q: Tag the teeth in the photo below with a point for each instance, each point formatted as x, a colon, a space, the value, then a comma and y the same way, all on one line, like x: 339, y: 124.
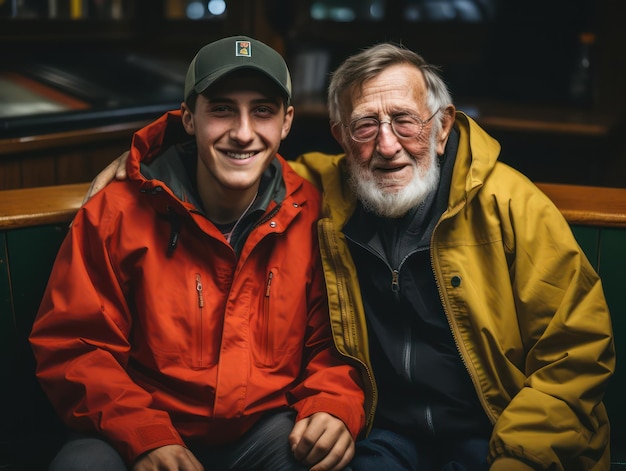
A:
x: 234, y: 155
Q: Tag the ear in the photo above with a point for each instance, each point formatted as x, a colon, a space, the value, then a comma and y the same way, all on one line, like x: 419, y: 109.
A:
x: 187, y: 118
x: 289, y: 114
x: 447, y: 122
x: 337, y: 132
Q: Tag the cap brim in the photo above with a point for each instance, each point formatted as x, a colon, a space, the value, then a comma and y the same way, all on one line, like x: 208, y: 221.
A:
x: 209, y: 80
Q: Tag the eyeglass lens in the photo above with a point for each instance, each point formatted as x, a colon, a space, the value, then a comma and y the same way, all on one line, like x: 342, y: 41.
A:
x: 405, y: 126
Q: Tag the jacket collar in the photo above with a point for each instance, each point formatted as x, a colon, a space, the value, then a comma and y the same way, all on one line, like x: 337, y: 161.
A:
x: 476, y: 158
x: 166, y: 136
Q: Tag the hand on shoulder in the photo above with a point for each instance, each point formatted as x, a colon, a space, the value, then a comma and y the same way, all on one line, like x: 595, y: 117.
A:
x: 115, y: 170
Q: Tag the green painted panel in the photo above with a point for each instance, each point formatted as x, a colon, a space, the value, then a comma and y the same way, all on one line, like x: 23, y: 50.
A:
x: 7, y: 324
x: 612, y: 264
x: 32, y: 251
x: 28, y: 421
x: 588, y: 238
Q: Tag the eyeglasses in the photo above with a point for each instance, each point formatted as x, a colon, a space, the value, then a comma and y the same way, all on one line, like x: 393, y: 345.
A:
x: 405, y: 126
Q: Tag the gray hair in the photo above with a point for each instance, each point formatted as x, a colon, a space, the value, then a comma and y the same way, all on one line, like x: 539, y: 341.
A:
x: 370, y: 62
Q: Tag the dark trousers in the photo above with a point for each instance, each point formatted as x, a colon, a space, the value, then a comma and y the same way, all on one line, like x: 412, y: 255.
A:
x: 384, y: 450
x: 264, y: 448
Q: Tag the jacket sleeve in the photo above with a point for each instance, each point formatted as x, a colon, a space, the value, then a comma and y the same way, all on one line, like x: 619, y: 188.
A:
x: 328, y: 383
x: 81, y: 342
x: 556, y: 416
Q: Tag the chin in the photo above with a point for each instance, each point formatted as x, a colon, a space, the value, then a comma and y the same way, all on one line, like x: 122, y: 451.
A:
x: 393, y: 199
x: 391, y: 188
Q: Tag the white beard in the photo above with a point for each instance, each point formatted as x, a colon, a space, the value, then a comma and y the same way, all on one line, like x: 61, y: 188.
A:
x: 397, y: 203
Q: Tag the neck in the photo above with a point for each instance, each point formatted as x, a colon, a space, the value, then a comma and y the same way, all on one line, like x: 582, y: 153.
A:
x: 223, y: 207
x: 221, y: 204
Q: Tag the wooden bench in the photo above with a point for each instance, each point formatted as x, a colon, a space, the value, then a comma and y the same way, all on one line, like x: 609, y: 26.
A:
x: 34, y: 221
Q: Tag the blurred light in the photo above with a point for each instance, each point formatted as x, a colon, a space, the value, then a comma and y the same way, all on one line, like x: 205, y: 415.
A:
x: 412, y: 13
x: 377, y: 10
x: 216, y: 7
x: 342, y: 14
x: 348, y: 10
x: 195, y: 10
x: 318, y: 11
x: 436, y: 10
x: 468, y: 11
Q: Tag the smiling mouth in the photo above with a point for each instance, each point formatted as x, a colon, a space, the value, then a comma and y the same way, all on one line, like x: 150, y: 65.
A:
x: 389, y: 169
x: 240, y: 156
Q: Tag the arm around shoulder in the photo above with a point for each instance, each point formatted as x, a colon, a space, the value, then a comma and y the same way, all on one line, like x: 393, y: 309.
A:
x: 116, y: 170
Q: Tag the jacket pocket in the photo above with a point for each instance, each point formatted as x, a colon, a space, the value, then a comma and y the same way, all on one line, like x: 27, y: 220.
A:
x: 267, y: 339
x: 204, y: 348
x: 279, y: 323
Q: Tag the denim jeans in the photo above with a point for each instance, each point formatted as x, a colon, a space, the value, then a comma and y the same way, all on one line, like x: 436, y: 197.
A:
x: 384, y: 450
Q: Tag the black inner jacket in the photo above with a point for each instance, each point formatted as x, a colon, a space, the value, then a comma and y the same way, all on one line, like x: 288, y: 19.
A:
x: 424, y: 388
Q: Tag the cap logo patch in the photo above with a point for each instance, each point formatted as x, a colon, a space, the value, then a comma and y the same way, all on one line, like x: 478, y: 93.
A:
x: 244, y: 49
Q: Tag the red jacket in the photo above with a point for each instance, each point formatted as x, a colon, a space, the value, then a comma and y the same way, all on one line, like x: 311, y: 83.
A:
x: 150, y: 347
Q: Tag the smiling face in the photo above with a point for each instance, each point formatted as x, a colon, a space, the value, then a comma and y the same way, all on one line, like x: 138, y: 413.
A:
x: 390, y: 174
x: 238, y: 124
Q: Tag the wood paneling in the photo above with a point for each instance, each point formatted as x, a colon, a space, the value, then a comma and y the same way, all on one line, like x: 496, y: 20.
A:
x: 588, y: 205
x: 62, y: 158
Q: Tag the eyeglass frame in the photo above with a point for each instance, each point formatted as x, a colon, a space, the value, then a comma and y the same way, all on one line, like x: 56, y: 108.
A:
x: 390, y: 123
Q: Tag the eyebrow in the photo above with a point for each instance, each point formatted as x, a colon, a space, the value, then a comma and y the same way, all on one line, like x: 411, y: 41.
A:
x: 392, y: 114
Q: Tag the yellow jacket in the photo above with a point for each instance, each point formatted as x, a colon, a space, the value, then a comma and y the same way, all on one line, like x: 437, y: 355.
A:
x: 526, y: 308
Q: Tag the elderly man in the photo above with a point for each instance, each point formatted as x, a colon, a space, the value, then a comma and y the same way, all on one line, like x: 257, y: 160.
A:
x: 482, y: 329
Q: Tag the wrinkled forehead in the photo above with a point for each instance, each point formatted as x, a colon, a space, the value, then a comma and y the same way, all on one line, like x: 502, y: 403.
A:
x: 396, y: 88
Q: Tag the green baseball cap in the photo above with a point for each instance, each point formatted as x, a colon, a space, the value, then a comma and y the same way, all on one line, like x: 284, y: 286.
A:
x: 227, y: 55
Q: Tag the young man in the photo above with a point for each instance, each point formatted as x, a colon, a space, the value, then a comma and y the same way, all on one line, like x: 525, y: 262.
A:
x: 185, y: 323
x: 487, y: 329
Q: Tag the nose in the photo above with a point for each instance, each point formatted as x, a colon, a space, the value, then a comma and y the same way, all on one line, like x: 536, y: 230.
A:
x: 387, y: 143
x: 242, y: 129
